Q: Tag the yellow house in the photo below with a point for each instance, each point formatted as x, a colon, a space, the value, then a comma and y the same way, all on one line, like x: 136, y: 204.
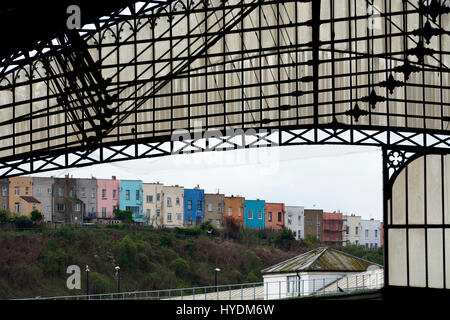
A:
x: 18, y: 187
x: 28, y: 204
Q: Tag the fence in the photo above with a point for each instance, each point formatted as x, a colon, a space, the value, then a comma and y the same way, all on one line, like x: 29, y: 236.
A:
x: 267, y: 290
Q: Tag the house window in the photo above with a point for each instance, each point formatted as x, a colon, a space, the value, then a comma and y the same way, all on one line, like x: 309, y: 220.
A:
x: 114, y: 194
x: 292, y: 284
x: 209, y: 207
x: 49, y: 208
x: 127, y: 194
x: 178, y: 216
x: 16, y: 191
x: 318, y: 222
x: 279, y: 216
x: 189, y: 204
x: 61, y: 192
x: 347, y: 230
x: 177, y: 201
x: 270, y: 216
x: 70, y: 192
x: 34, y: 206
x: 103, y: 212
x: 356, y: 242
x: 83, y: 193
x: 16, y: 207
x: 93, y: 194
x: 148, y: 212
x: 260, y: 214
x: 199, y: 205
x: 169, y: 216
x: 77, y: 207
x: 49, y: 190
x: 289, y: 221
x: 219, y: 207
x: 218, y: 223
x: 60, y: 207
x: 299, y: 219
x: 299, y: 234
x: 376, y: 233
x: 250, y: 214
x: 4, y: 191
x: 309, y: 222
x: 356, y: 230
x: 39, y: 190
x: 27, y: 189
x: 169, y: 201
x: 158, y: 197
x: 367, y: 233
x: 230, y: 210
x: 239, y: 211
x: 158, y: 213
x: 103, y: 193
x: 137, y: 194
x: 149, y: 199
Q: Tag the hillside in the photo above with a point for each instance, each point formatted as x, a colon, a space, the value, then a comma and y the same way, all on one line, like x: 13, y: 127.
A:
x: 33, y: 263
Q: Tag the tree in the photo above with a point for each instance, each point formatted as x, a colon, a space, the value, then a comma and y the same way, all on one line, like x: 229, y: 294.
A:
x: 180, y: 266
x: 231, y: 228
x: 284, y: 237
x: 4, y: 216
x: 36, y: 216
x: 23, y: 223
x: 126, y: 216
x: 207, y: 226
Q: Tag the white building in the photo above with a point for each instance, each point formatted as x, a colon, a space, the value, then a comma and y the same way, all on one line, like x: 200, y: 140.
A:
x: 352, y: 230
x: 310, y: 272
x: 173, y: 206
x: 294, y: 220
x: 152, y: 203
x: 371, y: 233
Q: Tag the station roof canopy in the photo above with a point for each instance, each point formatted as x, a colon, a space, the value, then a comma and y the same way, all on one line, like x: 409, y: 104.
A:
x: 323, y: 259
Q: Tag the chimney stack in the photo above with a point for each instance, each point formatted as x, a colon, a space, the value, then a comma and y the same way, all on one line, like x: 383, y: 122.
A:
x: 114, y: 177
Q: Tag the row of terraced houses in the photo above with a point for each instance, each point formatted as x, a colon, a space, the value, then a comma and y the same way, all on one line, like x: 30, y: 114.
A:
x: 71, y: 200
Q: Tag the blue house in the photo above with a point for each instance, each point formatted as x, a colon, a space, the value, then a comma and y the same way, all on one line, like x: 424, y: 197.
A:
x: 131, y: 199
x: 194, y: 206
x: 255, y: 215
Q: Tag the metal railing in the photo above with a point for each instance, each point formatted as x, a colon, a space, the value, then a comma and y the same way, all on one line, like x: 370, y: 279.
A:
x: 295, y: 287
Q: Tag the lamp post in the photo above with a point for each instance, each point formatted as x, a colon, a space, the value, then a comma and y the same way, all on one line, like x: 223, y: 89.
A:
x: 118, y: 278
x: 87, y: 279
x: 216, y: 270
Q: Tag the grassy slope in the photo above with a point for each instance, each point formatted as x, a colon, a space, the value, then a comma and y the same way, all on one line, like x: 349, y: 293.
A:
x: 34, y: 263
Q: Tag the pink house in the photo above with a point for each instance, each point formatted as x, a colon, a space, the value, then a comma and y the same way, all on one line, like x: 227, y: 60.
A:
x: 108, y: 198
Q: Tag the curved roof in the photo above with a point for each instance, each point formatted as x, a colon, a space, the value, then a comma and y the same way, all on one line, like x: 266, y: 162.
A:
x: 321, y: 259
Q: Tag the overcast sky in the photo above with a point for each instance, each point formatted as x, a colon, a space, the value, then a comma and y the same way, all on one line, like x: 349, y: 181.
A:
x: 345, y: 178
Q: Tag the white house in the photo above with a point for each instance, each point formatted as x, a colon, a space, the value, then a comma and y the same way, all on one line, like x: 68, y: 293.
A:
x: 310, y: 272
x: 294, y: 219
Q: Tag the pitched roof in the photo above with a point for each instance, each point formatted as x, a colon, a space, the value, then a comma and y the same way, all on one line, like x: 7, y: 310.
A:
x: 30, y: 199
x: 321, y: 259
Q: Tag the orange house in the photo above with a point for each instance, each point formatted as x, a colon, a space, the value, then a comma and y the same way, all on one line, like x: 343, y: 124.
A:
x: 27, y: 205
x: 275, y: 216
x: 234, y: 208
x: 19, y: 187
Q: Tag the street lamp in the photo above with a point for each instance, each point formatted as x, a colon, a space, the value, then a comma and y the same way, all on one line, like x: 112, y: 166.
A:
x: 118, y: 278
x: 87, y: 279
x: 216, y: 270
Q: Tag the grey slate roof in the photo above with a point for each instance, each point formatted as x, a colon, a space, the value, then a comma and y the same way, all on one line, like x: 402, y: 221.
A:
x: 321, y: 259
